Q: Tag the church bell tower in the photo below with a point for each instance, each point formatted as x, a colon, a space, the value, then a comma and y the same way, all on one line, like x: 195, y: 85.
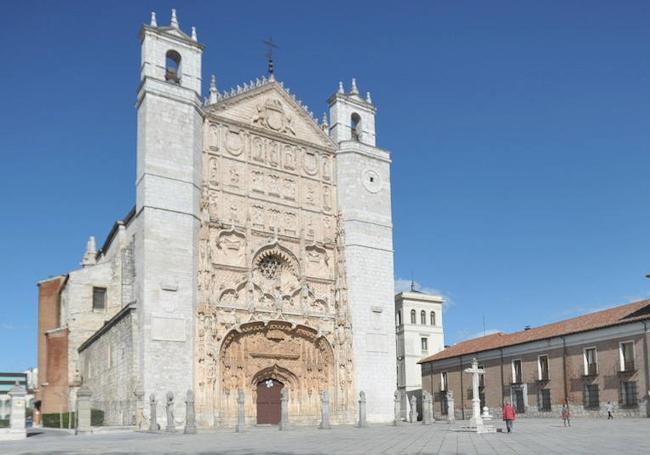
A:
x: 363, y: 179
x: 169, y: 144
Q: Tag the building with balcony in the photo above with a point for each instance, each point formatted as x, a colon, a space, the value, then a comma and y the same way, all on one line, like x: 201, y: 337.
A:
x: 586, y: 361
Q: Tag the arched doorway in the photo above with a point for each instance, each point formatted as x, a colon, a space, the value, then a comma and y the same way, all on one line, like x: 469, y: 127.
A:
x: 268, y: 401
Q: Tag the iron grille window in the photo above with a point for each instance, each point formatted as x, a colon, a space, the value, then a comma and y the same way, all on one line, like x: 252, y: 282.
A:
x: 443, y: 403
x: 99, y: 298
x: 545, y: 400
x: 591, y: 398
x: 628, y: 394
x: 425, y: 344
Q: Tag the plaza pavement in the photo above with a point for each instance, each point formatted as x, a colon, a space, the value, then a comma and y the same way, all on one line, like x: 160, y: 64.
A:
x: 531, y: 436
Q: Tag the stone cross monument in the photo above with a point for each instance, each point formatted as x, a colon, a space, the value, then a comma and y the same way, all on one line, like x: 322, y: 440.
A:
x: 475, y: 371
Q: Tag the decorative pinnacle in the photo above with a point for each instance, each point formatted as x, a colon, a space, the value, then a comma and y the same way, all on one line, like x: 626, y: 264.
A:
x: 213, y: 90
x: 174, y: 22
x: 368, y: 98
x: 340, y: 90
x: 194, y: 34
x: 354, y: 90
x: 324, y: 124
x: 153, y: 22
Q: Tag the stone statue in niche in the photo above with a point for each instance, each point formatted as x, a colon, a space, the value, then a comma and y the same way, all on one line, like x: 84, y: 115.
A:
x: 273, y: 149
x: 289, y: 157
x: 258, y: 149
x: 213, y: 211
x: 289, y: 189
x: 327, y: 198
x: 213, y: 172
x: 234, y: 177
x: 310, y: 194
x: 274, y: 184
x: 256, y: 181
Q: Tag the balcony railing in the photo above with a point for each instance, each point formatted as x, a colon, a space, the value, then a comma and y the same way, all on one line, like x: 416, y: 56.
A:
x: 628, y: 366
x: 592, y: 369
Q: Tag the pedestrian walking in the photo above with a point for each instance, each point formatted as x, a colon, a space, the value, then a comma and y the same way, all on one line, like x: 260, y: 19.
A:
x: 610, y: 410
x: 508, y: 415
x: 566, y: 414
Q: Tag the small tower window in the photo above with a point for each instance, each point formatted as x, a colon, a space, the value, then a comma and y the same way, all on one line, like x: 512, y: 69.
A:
x: 172, y: 67
x: 413, y: 316
x: 423, y: 317
x: 355, y: 125
x: 433, y: 318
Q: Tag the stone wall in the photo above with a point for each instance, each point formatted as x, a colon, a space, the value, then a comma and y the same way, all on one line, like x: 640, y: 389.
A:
x: 109, y: 366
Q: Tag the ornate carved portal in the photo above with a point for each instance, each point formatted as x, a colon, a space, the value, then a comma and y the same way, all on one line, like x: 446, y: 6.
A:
x: 281, y: 353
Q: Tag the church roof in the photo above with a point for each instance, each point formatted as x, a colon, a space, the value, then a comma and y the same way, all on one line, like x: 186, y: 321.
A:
x: 623, y: 314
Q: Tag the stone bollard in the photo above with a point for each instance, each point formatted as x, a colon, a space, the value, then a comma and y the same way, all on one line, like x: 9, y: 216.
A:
x: 241, y: 420
x: 171, y: 427
x: 17, y: 429
x: 190, y: 420
x: 413, y: 415
x: 284, y: 409
x: 139, y: 408
x: 397, y: 408
x: 153, y: 421
x: 451, y: 411
x: 83, y: 410
x: 426, y: 413
x: 362, y: 410
x: 325, y: 411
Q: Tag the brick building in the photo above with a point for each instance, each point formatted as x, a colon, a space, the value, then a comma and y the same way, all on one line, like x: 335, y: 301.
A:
x: 588, y: 361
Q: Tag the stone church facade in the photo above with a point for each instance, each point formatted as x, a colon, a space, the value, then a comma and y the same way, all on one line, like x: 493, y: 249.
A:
x: 258, y: 256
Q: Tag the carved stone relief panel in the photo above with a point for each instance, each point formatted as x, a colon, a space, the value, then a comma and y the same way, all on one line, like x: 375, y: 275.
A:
x: 233, y: 177
x: 213, y: 136
x: 213, y: 205
x: 310, y: 161
x: 317, y: 262
x: 290, y: 223
x: 310, y: 189
x: 258, y: 216
x: 235, y: 141
x: 273, y: 185
x: 231, y: 248
x: 289, y: 189
x: 257, y: 181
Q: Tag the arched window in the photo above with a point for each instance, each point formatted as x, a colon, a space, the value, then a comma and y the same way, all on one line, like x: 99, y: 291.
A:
x: 355, y: 125
x: 413, y: 317
x: 433, y: 318
x: 423, y: 317
x: 399, y: 318
x: 172, y: 67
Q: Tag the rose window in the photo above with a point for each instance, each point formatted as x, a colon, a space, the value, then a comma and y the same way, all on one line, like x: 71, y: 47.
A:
x: 270, y: 266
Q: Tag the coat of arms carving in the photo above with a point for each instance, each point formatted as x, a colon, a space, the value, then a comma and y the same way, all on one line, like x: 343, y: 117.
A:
x: 271, y: 115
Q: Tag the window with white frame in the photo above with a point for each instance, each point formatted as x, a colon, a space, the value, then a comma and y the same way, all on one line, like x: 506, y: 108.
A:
x: 542, y: 368
x: 413, y: 317
x: 423, y: 317
x: 433, y: 318
x: 591, y: 362
x: 626, y: 351
x: 424, y: 342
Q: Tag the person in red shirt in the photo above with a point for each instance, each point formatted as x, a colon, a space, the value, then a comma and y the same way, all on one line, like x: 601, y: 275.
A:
x: 508, y: 415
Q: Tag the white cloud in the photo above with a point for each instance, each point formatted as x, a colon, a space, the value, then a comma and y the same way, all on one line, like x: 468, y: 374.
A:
x: 404, y: 285
x: 7, y: 326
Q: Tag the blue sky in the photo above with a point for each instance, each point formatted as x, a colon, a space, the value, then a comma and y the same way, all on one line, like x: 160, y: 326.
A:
x: 518, y: 131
